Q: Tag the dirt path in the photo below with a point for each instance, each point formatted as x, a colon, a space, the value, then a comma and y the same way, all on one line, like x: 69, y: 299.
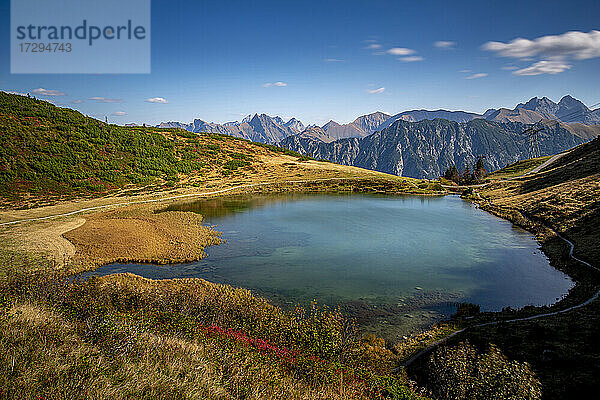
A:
x: 45, y: 238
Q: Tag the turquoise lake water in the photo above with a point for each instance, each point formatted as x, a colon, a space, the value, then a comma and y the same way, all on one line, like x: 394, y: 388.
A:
x: 399, y: 263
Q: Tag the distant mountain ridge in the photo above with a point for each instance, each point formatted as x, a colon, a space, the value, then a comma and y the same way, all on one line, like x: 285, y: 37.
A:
x: 266, y: 129
x: 424, y: 149
x: 257, y: 128
x: 420, y: 115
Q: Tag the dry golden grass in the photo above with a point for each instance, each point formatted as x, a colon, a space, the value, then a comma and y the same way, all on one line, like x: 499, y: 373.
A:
x: 140, y: 234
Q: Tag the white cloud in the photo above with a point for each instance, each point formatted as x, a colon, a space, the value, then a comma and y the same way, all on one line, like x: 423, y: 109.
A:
x: 445, y: 44
x: 373, y: 46
x: 579, y: 45
x: 47, y: 92
x: 105, y: 100
x: 400, y: 51
x: 477, y: 76
x: 333, y: 60
x: 465, y: 71
x: 544, y: 67
x: 411, y: 58
x: 119, y: 113
x: 277, y: 84
x: 77, y: 101
x: 157, y: 100
x: 376, y: 91
x: 509, y: 67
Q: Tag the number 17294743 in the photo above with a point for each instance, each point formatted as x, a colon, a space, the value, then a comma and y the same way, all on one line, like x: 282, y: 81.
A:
x: 41, y: 47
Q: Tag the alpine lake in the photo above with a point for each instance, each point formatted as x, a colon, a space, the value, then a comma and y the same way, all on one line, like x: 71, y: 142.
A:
x: 397, y: 264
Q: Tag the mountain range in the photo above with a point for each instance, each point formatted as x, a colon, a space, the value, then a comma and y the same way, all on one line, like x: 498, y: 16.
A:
x: 423, y: 143
x: 257, y: 128
x: 272, y: 130
x: 424, y: 149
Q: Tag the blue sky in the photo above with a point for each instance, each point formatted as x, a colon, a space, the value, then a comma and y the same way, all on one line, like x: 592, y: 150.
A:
x: 322, y: 60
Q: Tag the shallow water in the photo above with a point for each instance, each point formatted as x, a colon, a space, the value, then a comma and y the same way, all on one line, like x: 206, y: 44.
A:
x: 398, y: 263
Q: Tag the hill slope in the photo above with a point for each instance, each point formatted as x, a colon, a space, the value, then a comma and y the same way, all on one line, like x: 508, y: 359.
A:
x: 47, y: 150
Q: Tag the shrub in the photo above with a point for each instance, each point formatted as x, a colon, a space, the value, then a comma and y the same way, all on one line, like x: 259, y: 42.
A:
x: 235, y: 164
x: 460, y: 372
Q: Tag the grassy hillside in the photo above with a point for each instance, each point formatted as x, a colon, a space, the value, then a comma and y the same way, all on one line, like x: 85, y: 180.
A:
x: 56, y: 151
x: 517, y: 169
x: 124, y: 337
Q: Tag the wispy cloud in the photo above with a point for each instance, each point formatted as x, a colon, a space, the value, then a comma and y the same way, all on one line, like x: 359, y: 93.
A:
x: 445, y: 44
x: 544, y: 67
x: 411, y: 58
x: 509, y: 67
x: 333, y: 60
x: 157, y: 100
x: 77, y: 101
x: 119, y: 113
x: 373, y: 46
x: 477, y: 76
x: 579, y: 45
x: 465, y: 71
x: 400, y: 51
x: 376, y: 91
x: 275, y: 84
x: 48, y: 92
x: 105, y: 100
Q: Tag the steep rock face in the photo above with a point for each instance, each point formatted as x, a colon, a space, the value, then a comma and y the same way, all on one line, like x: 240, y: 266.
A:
x: 360, y: 127
x: 264, y: 129
x: 568, y: 109
x: 338, y: 131
x: 544, y: 106
x: 294, y: 124
x: 173, y: 124
x: 315, y: 133
x: 371, y: 122
x: 426, y: 148
x: 573, y: 110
